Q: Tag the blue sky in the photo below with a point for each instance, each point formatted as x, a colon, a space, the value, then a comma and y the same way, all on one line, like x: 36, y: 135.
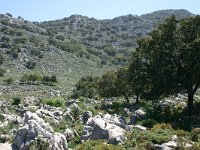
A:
x: 41, y: 10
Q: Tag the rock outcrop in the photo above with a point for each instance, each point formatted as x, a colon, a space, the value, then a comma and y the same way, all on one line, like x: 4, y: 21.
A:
x: 34, y: 128
x: 107, y: 127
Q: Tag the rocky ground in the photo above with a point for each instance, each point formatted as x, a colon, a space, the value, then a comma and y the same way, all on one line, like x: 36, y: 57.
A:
x: 32, y: 124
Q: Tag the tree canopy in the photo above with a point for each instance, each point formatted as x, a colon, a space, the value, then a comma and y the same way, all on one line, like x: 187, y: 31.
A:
x: 167, y: 61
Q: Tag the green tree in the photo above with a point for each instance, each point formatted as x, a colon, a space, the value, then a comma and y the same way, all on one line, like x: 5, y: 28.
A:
x: 169, y: 59
x: 113, y: 84
x: 87, y: 87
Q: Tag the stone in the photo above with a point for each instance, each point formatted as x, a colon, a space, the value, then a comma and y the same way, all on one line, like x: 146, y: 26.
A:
x: 167, y: 146
x: 4, y: 138
x: 86, y: 115
x: 140, y: 127
x: 171, y: 144
x: 100, y: 128
x: 34, y: 128
x: 69, y: 134
x: 59, y: 142
x: 137, y: 115
x: 174, y: 138
x: 115, y: 119
x: 5, y: 146
x: 188, y: 145
x: 12, y: 118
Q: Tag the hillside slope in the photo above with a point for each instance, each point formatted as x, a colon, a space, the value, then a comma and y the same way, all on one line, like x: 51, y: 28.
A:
x: 71, y: 47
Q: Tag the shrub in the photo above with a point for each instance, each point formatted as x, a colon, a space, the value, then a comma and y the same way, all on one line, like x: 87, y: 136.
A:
x: 35, y: 52
x: 30, y: 64
x: 16, y: 101
x: 5, y: 39
x: 137, y: 139
x: 49, y: 80
x: 162, y: 126
x: 60, y: 37
x: 30, y: 78
x: 39, y: 144
x: 75, y: 112
x: 57, y: 102
x: 195, y: 134
x: 2, y: 72
x: 9, y: 81
x: 98, y: 145
x: 19, y: 40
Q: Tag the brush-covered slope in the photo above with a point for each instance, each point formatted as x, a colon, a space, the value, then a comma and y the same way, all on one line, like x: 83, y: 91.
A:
x: 70, y: 47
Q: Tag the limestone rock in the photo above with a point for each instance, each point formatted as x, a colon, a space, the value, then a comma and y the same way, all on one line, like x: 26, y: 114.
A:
x: 137, y: 115
x: 86, y: 115
x: 5, y: 146
x: 35, y: 128
x: 69, y: 134
x: 100, y: 128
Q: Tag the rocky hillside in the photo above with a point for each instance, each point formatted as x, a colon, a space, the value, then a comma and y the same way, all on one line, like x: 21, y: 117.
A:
x: 89, y: 124
x: 70, y: 47
x: 41, y: 62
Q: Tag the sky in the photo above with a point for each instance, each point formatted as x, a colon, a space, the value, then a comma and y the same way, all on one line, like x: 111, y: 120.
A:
x: 44, y: 10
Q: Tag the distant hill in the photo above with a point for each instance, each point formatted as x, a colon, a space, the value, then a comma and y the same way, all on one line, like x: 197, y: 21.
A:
x: 110, y: 39
x: 75, y: 46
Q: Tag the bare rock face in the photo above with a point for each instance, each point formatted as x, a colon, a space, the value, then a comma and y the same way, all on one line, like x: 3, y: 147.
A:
x: 35, y: 128
x: 103, y: 128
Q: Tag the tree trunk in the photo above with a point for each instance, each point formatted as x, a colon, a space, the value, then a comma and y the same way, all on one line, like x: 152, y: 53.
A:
x: 126, y: 97
x: 190, y: 103
x: 137, y: 99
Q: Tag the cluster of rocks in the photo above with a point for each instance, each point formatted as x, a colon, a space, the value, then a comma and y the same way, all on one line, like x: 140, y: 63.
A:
x: 173, y: 144
x: 108, y: 127
x: 34, y: 128
x: 53, y: 113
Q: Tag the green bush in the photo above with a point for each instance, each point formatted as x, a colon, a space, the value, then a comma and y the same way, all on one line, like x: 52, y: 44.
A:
x: 2, y: 72
x: 162, y: 126
x: 8, y: 81
x: 30, y: 78
x: 87, y: 87
x: 8, y: 128
x: 49, y: 80
x: 137, y: 139
x: 39, y: 144
x: 60, y: 37
x: 56, y: 102
x: 20, y: 40
x: 195, y: 134
x: 16, y: 101
x: 98, y: 145
x: 30, y: 64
